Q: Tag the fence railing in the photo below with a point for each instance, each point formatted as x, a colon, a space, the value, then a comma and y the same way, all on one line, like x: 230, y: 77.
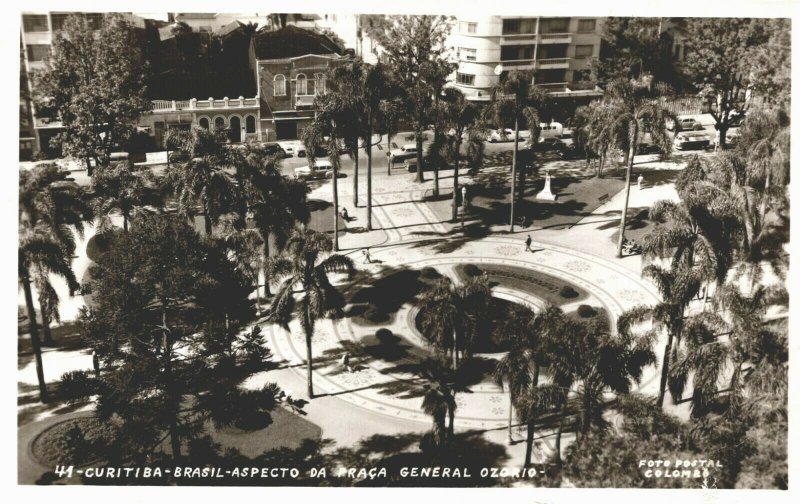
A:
x: 210, y: 104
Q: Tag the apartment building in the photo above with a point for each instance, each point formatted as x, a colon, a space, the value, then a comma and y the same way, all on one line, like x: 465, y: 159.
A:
x: 558, y: 49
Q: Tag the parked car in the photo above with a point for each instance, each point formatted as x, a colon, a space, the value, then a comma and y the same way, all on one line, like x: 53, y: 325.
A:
x: 548, y: 144
x: 691, y: 140
x: 683, y: 124
x: 731, y: 138
x: 647, y: 148
x: 322, y: 168
x: 550, y: 130
x: 407, y: 151
x: 275, y: 149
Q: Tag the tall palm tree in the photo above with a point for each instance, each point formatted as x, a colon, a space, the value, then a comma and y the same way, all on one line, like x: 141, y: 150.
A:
x: 600, y: 362
x: 458, y: 115
x: 120, y: 187
x: 332, y: 125
x: 203, y: 181
x: 245, y: 247
x: 698, y: 232
x: 306, y: 264
x: 453, y: 314
x: 677, y: 287
x: 52, y: 204
x: 40, y: 250
x: 636, y: 109
x: 438, y: 398
x: 519, y: 102
x: 276, y: 204
x: 514, y: 371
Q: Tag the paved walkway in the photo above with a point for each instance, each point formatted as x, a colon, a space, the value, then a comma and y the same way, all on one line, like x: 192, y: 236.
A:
x: 378, y: 396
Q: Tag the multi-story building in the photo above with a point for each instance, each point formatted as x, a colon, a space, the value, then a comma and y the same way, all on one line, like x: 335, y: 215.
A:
x: 290, y: 66
x: 558, y: 49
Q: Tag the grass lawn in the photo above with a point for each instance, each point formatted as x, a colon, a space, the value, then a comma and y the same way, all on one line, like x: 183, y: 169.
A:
x: 287, y: 430
x: 578, y: 197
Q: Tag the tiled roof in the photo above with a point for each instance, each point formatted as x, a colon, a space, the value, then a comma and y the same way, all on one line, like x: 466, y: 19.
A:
x: 291, y: 41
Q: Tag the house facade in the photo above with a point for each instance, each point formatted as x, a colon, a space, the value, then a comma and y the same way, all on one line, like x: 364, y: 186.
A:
x: 291, y: 67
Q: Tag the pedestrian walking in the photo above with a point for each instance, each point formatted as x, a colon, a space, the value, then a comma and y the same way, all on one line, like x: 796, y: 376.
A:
x: 346, y: 362
x: 96, y: 363
x: 528, y: 242
x: 367, y: 258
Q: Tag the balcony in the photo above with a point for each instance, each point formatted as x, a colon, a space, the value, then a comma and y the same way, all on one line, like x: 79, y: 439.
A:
x: 548, y: 63
x: 167, y: 106
x: 555, y: 38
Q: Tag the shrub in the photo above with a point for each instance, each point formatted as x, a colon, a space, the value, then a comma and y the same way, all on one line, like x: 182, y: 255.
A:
x: 568, y: 292
x: 76, y: 386
x: 472, y: 271
x: 375, y: 314
x: 586, y: 311
x: 429, y: 273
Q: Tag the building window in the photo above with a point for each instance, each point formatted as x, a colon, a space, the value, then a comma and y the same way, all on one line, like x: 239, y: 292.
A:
x: 465, y: 27
x: 586, y: 25
x: 219, y: 123
x: 519, y: 26
x: 57, y: 21
x: 467, y: 54
x: 516, y: 52
x: 35, y: 23
x: 311, y: 87
x: 203, y: 122
x: 250, y: 124
x: 302, y: 85
x: 38, y: 52
x: 555, y: 25
x: 467, y: 79
x: 581, y: 75
x: 584, y: 51
x: 279, y: 87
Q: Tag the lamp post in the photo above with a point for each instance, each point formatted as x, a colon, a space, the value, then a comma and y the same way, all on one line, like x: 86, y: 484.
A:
x: 463, y: 204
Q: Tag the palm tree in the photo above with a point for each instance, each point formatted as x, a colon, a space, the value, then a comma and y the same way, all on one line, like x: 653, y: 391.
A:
x: 600, y: 362
x: 275, y: 203
x: 49, y: 202
x: 203, y: 180
x: 452, y: 314
x: 698, y: 231
x: 438, y: 398
x: 636, y: 109
x: 593, y: 133
x: 40, y: 250
x: 304, y: 267
x: 120, y: 187
x: 514, y: 368
x: 677, y: 287
x: 519, y: 102
x: 333, y: 123
x: 459, y: 115
x: 245, y: 247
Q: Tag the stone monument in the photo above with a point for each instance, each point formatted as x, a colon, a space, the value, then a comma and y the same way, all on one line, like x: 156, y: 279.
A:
x: 546, y: 193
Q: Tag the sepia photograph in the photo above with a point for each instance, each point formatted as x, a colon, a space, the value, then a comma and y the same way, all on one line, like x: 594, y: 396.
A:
x: 402, y: 248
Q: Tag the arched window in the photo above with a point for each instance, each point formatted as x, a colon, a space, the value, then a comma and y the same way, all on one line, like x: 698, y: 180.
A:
x: 219, y: 122
x: 250, y: 124
x: 302, y: 85
x: 280, y: 85
x: 204, y: 122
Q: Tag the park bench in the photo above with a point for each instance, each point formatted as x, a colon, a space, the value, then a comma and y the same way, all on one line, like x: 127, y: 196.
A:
x: 603, y: 198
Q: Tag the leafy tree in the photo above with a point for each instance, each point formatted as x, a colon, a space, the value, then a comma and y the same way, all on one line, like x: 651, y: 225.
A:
x: 770, y: 64
x: 166, y: 371
x: 718, y: 62
x: 519, y: 102
x: 305, y: 266
x: 416, y: 50
x: 637, y: 46
x: 121, y: 187
x: 636, y: 109
x: 677, y: 287
x: 94, y: 81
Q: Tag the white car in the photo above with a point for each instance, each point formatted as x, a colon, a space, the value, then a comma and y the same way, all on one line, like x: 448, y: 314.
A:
x: 291, y: 147
x: 322, y: 168
x: 407, y: 151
